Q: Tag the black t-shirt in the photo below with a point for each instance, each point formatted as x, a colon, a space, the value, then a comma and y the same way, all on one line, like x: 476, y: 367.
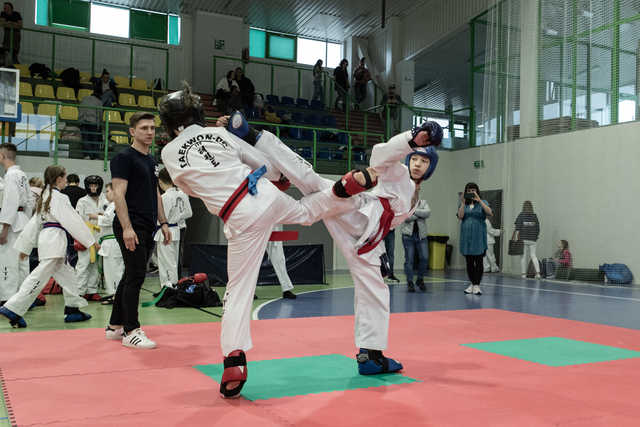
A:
x: 140, y: 170
x: 75, y: 193
x: 15, y: 17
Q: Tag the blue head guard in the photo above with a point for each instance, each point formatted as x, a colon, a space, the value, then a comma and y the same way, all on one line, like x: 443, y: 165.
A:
x: 428, y: 152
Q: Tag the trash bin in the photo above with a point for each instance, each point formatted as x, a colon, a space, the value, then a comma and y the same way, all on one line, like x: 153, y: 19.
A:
x: 437, y: 250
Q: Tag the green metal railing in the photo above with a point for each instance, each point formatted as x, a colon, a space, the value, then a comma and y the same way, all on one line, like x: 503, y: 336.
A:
x: 60, y: 34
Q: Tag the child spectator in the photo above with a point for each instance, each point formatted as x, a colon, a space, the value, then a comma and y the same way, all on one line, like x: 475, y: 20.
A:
x: 112, y: 263
x: 490, y: 265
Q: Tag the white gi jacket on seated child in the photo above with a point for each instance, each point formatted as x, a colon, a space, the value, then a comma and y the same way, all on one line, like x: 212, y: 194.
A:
x: 177, y: 209
x: 87, y: 269
x: 112, y: 263
x: 489, y: 260
x: 46, y: 230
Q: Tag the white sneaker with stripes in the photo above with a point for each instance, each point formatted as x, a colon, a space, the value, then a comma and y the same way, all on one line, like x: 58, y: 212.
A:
x: 113, y: 334
x: 137, y: 339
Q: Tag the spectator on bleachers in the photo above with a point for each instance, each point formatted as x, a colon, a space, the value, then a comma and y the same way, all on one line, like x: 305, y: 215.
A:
x: 12, y: 22
x: 318, y: 91
x: 90, y: 119
x: 224, y: 88
x: 106, y: 89
x: 361, y: 77
x: 247, y: 90
x: 342, y: 85
x: 393, y: 101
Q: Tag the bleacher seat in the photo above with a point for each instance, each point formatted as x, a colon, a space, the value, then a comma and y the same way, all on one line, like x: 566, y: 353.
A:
x: 120, y: 137
x: 273, y: 99
x: 302, y: 103
x: 27, y: 107
x: 358, y: 155
x: 287, y: 100
x: 127, y: 116
x: 294, y: 133
x: 65, y: 94
x: 84, y: 77
x: 146, y: 101
x: 316, y: 105
x: 121, y: 81
x: 323, y: 155
x: 305, y: 152
x: 114, y: 116
x: 127, y: 100
x: 25, y: 89
x: 24, y: 70
x: 330, y: 121
x: 297, y: 117
x: 157, y: 121
x: 68, y: 112
x: 343, y: 138
x: 47, y: 110
x: 139, y: 84
x: 44, y: 91
x: 83, y: 93
x: 307, y: 134
x: 312, y: 119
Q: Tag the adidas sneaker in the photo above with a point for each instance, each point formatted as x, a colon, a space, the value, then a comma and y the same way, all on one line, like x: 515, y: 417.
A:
x: 137, y: 339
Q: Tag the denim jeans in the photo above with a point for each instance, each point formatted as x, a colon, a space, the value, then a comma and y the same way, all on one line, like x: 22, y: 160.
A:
x: 411, y: 243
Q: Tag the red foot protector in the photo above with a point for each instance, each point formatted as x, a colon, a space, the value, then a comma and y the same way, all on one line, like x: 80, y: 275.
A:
x: 78, y: 246
x: 234, y: 375
x: 283, y: 236
x: 196, y: 278
x: 347, y: 186
x: 283, y: 184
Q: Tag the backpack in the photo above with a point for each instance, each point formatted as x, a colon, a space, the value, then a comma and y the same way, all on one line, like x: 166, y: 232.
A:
x: 192, y: 291
x: 617, y: 273
x: 40, y: 69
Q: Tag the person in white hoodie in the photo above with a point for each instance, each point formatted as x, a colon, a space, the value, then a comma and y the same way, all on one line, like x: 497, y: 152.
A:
x: 112, y: 262
x: 17, y: 207
x: 47, y: 230
x: 490, y: 258
x: 177, y: 210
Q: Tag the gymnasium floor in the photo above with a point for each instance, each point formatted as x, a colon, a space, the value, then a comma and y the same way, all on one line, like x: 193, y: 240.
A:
x: 526, y: 352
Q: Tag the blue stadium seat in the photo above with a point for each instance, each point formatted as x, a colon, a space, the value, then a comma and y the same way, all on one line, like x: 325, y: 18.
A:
x: 358, y: 155
x: 331, y: 121
x: 316, y: 105
x: 305, y: 152
x: 343, y: 138
x: 302, y: 103
x: 324, y: 155
x: 312, y: 119
x: 273, y: 99
x: 286, y: 100
x: 337, y: 155
x: 294, y: 133
x: 297, y: 118
x: 307, y: 134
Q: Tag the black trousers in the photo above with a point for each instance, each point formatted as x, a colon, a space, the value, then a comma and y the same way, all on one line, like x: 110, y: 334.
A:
x: 127, y: 297
x: 475, y: 268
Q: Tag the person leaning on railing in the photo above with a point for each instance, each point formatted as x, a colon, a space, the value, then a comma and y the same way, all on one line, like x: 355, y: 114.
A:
x: 90, y: 114
x: 12, y: 22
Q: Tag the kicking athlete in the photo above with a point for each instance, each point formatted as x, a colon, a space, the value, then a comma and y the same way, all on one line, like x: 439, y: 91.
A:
x: 224, y: 171
x: 397, y: 168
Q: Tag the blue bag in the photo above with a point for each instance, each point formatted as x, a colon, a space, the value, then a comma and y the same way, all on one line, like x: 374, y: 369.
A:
x: 617, y: 273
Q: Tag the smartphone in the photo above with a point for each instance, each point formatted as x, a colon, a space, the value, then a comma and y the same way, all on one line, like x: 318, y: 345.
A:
x: 470, y: 196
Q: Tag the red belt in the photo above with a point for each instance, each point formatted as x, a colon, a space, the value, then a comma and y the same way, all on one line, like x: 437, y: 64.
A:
x: 234, y: 200
x: 383, y: 229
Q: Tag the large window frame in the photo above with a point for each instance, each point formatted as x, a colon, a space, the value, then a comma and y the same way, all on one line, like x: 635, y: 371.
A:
x: 264, y: 36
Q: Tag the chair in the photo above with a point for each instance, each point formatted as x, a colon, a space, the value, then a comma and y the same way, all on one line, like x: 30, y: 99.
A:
x: 46, y: 110
x: 297, y: 118
x: 114, y: 116
x: 157, y: 121
x: 295, y: 133
x: 307, y: 134
x: 146, y: 101
x: 66, y: 94
x: 139, y: 84
x: 24, y: 70
x: 44, y: 91
x: 127, y: 100
x: 287, y: 100
x: 120, y: 137
x: 312, y: 119
x: 25, y: 89
x: 121, y: 81
x: 127, y: 116
x: 302, y: 103
x: 68, y: 112
x: 84, y: 77
x: 273, y: 99
x: 83, y: 93
x: 27, y: 107
x: 316, y: 105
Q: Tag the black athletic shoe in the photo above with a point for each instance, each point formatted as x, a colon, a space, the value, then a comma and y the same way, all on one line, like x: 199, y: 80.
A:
x: 420, y: 284
x: 289, y: 295
x: 410, y: 286
x: 393, y: 278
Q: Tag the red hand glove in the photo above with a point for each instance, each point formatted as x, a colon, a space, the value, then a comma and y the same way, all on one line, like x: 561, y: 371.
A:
x: 78, y: 246
x: 283, y: 184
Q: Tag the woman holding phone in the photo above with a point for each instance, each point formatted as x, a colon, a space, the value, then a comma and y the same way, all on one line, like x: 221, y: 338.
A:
x: 472, y: 213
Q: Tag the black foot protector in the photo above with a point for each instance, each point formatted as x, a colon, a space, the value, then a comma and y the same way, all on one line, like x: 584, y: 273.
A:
x: 234, y: 375
x: 347, y: 186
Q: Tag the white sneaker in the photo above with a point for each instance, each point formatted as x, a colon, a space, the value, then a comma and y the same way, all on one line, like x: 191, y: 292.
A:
x: 524, y: 276
x: 469, y: 290
x: 538, y: 277
x: 137, y: 339
x: 113, y: 334
x: 476, y: 290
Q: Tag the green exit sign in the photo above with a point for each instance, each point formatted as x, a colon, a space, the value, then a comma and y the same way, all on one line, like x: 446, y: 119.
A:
x: 478, y: 164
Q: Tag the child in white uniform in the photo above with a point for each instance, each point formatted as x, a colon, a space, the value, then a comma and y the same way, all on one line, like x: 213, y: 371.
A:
x: 90, y: 207
x: 216, y: 166
x: 112, y: 263
x: 177, y: 210
x: 490, y: 258
x: 46, y: 229
x: 275, y: 251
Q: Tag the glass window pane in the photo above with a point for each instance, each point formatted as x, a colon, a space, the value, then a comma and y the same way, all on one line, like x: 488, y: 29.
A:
x: 282, y: 47
x: 42, y: 12
x: 174, y: 30
x: 334, y: 55
x: 257, y: 43
x: 309, y: 51
x: 70, y: 14
x: 111, y: 21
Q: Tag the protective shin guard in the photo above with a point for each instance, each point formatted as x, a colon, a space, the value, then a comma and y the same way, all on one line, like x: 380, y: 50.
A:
x: 235, y: 371
x: 14, y: 320
x: 347, y: 186
x: 372, y: 362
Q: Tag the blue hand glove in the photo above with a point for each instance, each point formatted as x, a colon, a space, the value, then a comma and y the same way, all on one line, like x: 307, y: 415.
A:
x: 253, y: 179
x: 433, y: 129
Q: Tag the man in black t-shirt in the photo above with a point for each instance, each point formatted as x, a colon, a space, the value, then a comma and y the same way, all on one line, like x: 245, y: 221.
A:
x: 12, y: 22
x: 73, y: 189
x: 138, y: 207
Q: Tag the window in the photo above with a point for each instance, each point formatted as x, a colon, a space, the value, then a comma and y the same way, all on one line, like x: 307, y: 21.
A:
x: 257, y: 43
x: 174, y: 30
x: 309, y: 51
x: 334, y: 55
x: 69, y: 14
x: 149, y: 26
x: 281, y: 47
x: 110, y: 21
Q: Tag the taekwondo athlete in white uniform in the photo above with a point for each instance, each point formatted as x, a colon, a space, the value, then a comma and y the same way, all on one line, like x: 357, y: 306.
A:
x: 112, y: 262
